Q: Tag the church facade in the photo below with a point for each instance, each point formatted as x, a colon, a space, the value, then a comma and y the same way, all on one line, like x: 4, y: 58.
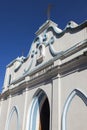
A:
x: 47, y: 90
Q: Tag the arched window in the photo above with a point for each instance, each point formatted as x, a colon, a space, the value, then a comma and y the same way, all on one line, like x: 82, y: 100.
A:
x: 39, y: 112
x: 68, y: 103
x: 13, y: 120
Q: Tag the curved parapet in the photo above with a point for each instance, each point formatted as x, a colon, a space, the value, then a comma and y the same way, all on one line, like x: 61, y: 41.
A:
x: 50, y: 42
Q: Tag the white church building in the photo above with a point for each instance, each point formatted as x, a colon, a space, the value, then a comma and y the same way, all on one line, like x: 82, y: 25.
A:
x: 47, y: 90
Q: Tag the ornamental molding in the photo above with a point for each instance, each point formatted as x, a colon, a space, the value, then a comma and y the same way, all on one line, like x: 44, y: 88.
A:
x: 45, y: 73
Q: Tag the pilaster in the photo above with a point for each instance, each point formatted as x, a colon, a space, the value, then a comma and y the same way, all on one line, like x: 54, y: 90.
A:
x: 56, y: 110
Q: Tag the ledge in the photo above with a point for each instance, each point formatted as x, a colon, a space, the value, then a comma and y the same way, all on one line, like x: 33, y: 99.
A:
x: 75, y: 65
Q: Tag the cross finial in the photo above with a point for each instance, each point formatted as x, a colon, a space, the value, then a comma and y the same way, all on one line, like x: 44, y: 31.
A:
x: 48, y: 11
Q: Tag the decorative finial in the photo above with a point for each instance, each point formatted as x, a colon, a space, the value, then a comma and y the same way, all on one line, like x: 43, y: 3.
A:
x: 48, y: 11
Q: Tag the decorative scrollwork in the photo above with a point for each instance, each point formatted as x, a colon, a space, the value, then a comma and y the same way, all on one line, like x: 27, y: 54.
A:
x: 52, y: 50
x: 31, y: 62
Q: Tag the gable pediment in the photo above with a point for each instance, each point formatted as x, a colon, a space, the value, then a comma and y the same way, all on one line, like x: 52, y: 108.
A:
x: 50, y: 42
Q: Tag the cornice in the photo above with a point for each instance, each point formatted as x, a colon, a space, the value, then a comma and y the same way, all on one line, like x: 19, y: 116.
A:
x: 50, y: 63
x: 47, y: 73
x: 34, y: 79
x: 75, y: 65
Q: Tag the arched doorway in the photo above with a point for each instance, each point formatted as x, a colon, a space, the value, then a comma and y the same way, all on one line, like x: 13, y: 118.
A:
x: 44, y: 116
x: 39, y: 112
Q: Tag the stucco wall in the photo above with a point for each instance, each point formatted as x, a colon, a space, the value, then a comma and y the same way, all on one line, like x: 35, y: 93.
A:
x: 76, y: 109
x: 58, y: 78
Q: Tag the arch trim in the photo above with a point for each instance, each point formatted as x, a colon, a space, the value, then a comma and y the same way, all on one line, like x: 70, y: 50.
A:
x: 68, y: 102
x: 14, y: 109
x: 34, y: 110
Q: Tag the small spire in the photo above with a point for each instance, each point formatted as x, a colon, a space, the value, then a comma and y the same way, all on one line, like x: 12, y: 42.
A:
x: 49, y: 11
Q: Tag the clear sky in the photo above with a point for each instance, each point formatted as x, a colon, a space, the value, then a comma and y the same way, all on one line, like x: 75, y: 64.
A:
x: 20, y: 19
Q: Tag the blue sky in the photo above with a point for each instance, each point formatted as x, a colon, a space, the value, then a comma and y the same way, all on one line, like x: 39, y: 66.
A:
x: 20, y: 19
